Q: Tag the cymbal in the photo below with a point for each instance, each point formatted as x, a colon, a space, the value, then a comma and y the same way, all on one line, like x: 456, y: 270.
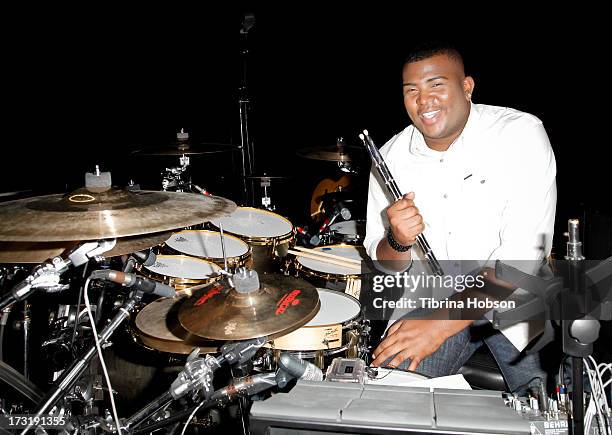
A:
x: 186, y: 148
x: 333, y: 154
x: 158, y: 327
x: 281, y: 305
x: 38, y: 252
x: 88, y: 215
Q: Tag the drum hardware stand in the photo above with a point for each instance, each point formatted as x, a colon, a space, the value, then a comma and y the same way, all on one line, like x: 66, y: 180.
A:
x: 570, y: 305
x: 198, y: 375
x: 46, y: 276
x: 70, y: 376
x: 172, y: 177
x: 244, y: 102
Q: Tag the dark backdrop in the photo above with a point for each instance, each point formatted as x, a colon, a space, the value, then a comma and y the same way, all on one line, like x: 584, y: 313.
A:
x: 88, y: 87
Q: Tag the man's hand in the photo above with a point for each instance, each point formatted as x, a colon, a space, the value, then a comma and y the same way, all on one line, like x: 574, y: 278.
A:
x: 415, y: 339
x: 405, y: 221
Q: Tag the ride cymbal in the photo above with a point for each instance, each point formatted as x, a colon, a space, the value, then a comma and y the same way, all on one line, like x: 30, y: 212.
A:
x: 281, y: 305
x: 88, y: 215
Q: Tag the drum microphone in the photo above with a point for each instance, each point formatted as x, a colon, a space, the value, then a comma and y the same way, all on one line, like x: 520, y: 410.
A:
x: 299, y: 368
x: 137, y: 282
x: 146, y: 257
x: 346, y: 215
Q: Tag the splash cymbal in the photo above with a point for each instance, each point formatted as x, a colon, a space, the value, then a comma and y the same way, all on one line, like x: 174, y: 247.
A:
x: 281, y: 305
x: 88, y: 215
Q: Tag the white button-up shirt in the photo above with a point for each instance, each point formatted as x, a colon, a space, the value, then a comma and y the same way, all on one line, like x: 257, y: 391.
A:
x: 490, y: 196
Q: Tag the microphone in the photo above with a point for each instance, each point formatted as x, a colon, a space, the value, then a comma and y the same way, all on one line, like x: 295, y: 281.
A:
x: 146, y: 257
x: 137, y: 282
x: 299, y: 368
x: 344, y: 212
x: 246, y: 386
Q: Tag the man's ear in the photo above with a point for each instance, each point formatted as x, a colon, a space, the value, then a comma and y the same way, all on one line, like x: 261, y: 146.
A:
x: 468, y: 87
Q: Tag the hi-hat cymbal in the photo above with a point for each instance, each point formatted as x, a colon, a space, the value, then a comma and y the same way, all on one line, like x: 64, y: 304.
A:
x: 333, y: 154
x: 88, y: 215
x: 281, y: 305
x: 180, y: 148
x: 38, y: 252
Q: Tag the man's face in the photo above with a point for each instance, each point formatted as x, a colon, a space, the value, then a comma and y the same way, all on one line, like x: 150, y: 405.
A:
x: 437, y: 99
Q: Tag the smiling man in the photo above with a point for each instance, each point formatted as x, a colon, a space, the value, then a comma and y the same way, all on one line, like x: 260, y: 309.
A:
x: 483, y: 178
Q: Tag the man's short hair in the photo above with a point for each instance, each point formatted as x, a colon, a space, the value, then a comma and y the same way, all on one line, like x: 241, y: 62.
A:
x: 429, y: 49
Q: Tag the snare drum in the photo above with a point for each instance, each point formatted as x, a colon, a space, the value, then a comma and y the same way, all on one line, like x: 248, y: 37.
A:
x: 345, y: 278
x: 350, y: 232
x: 181, y: 271
x: 207, y: 245
x: 270, y: 235
x: 335, y: 331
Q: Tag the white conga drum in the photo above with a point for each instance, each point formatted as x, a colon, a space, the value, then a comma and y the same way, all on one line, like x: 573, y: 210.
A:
x: 206, y: 244
x: 269, y: 234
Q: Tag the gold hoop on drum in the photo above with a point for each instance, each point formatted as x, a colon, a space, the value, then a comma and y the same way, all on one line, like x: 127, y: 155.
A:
x: 181, y: 271
x: 329, y: 272
x: 206, y: 244
x: 258, y: 228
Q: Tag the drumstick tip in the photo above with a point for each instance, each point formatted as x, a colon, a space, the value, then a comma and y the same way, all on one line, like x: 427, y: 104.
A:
x: 366, y: 132
x: 361, y: 136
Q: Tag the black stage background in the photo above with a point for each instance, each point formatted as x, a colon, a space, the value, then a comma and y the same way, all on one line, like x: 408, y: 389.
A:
x: 88, y: 87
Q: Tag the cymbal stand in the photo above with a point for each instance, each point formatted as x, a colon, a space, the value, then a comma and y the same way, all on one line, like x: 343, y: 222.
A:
x: 172, y: 177
x: 244, y: 102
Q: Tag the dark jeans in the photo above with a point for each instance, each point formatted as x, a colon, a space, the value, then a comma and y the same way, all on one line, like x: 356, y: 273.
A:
x: 518, y: 369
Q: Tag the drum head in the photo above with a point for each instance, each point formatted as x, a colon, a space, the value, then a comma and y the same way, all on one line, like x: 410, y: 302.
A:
x: 181, y: 266
x: 252, y: 222
x: 335, y: 308
x: 349, y: 228
x: 347, y: 251
x: 207, y: 244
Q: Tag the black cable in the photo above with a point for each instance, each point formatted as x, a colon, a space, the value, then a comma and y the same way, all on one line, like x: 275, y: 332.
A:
x: 526, y: 384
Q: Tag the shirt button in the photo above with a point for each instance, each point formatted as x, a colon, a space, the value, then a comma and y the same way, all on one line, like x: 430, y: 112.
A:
x: 445, y: 196
x: 441, y: 160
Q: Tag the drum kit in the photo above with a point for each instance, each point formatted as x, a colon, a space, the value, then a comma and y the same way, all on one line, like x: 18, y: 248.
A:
x: 241, y: 291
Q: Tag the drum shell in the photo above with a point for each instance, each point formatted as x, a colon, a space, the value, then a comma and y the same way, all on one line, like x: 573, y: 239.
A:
x: 320, y: 343
x: 267, y: 252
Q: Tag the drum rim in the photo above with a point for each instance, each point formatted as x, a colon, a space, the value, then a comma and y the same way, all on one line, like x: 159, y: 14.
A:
x: 234, y: 258
x: 259, y: 239
x: 328, y: 275
x: 170, y: 279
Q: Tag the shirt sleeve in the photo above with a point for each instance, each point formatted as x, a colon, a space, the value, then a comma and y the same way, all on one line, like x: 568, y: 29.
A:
x: 528, y: 217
